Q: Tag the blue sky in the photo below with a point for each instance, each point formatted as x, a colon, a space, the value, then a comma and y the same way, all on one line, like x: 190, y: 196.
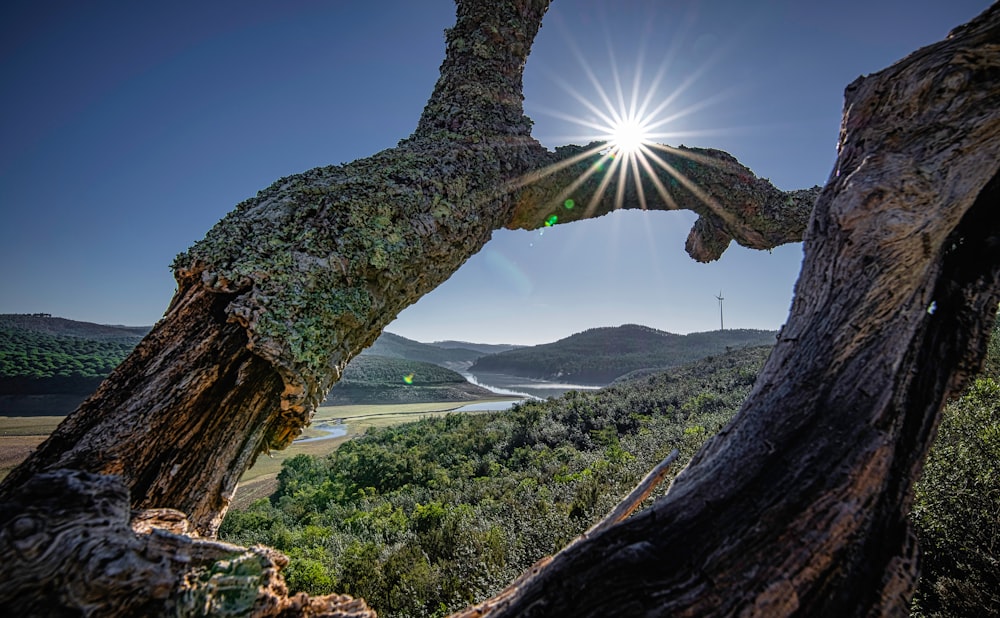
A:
x: 127, y: 129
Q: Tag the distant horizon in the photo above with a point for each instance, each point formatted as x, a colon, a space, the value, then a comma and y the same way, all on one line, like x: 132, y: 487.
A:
x: 432, y: 342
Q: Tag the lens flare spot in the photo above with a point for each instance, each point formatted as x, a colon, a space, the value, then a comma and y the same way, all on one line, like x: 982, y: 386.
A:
x: 408, y: 378
x: 569, y: 204
x: 552, y: 220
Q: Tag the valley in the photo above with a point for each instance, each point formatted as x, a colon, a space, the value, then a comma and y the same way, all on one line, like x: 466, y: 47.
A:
x: 432, y: 482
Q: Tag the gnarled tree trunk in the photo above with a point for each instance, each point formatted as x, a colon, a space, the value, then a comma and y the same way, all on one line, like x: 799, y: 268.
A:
x: 798, y: 506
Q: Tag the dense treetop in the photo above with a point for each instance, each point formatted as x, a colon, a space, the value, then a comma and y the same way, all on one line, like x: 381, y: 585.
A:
x: 431, y: 516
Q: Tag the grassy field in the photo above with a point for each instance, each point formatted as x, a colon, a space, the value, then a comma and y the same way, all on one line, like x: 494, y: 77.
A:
x: 19, y: 435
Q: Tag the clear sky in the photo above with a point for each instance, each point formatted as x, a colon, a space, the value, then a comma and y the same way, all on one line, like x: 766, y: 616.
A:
x: 127, y: 129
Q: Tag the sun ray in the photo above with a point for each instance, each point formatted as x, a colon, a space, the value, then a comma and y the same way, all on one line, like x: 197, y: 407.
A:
x: 601, y: 188
x: 688, y: 154
x: 660, y: 188
x: 696, y: 107
x: 617, y: 80
x: 602, y: 114
x: 640, y: 192
x: 695, y: 190
x: 623, y: 168
x: 573, y: 186
x: 595, y: 82
x: 653, y: 88
x: 556, y: 167
x: 629, y: 114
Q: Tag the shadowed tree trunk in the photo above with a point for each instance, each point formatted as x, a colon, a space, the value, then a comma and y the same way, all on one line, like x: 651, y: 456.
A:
x: 798, y: 506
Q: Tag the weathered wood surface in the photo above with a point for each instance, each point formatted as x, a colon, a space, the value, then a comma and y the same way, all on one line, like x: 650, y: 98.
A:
x: 796, y: 507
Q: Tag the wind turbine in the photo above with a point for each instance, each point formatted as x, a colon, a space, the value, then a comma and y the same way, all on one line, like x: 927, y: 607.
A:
x: 722, y: 325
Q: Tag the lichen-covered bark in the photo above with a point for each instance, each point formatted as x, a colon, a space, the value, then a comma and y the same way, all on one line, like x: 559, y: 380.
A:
x: 321, y: 261
x: 799, y: 506
x: 190, y: 397
x: 287, y: 288
x: 282, y: 292
x: 582, y: 182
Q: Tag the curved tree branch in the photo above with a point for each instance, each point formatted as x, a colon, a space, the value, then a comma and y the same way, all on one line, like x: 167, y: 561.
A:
x: 287, y: 288
x: 581, y: 182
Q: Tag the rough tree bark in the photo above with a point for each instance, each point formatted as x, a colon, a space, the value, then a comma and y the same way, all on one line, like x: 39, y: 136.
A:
x: 798, y: 506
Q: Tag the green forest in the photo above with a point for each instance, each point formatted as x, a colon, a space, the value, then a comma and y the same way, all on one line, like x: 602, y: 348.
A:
x: 425, y: 518
x: 393, y: 346
x: 372, y: 370
x: 36, y: 360
x: 39, y: 355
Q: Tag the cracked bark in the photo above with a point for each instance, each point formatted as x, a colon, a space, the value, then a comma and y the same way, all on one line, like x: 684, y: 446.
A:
x: 798, y: 506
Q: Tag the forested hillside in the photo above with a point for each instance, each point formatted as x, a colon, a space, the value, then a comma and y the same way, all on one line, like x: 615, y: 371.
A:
x: 394, y: 346
x: 599, y: 355
x: 377, y: 379
x: 425, y: 518
x: 43, y: 354
x: 483, y: 348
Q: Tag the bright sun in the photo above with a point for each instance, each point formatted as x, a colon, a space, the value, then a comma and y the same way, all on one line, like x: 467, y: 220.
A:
x: 623, y: 127
x: 628, y: 136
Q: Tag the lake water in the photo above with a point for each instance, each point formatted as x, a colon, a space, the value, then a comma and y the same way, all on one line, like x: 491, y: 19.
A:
x: 332, y: 430
x: 501, y: 384
x: 504, y: 384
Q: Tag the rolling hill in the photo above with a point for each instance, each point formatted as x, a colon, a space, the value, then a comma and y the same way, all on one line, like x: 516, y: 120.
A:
x: 45, y: 355
x: 600, y: 355
x: 377, y: 379
x: 48, y: 364
x: 483, y: 348
x: 389, y: 345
